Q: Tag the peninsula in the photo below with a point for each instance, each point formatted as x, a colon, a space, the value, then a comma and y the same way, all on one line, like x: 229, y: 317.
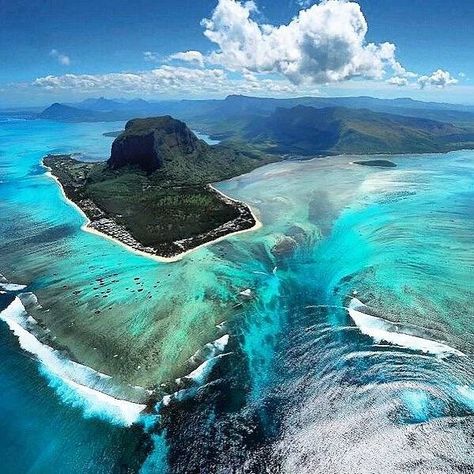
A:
x: 154, y: 194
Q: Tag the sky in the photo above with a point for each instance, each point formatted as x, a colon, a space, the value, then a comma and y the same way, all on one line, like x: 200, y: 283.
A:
x: 68, y: 50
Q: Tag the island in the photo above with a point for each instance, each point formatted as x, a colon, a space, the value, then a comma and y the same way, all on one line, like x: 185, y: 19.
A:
x: 376, y: 163
x: 154, y: 193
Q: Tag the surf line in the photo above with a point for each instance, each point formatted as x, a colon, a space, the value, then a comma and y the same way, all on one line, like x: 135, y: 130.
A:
x: 66, y: 376
x: 381, y: 330
x: 60, y: 371
x: 86, y: 227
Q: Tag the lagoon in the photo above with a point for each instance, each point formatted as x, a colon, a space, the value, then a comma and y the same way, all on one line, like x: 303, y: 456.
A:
x: 255, y: 327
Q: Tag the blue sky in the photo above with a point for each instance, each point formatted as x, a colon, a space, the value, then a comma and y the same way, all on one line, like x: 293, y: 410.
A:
x: 68, y: 50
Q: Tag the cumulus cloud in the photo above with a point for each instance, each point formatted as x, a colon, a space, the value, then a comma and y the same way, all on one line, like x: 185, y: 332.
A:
x: 195, y: 57
x: 60, y: 57
x: 324, y: 43
x: 401, y: 75
x: 169, y: 80
x: 157, y: 80
x: 438, y: 78
x: 398, y: 81
x: 400, y: 71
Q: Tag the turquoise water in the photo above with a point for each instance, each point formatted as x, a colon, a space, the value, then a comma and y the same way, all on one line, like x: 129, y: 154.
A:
x: 297, y: 383
x: 44, y: 427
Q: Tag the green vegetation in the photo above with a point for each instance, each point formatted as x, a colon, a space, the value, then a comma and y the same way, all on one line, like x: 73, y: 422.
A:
x: 169, y: 149
x: 335, y: 130
x: 154, y: 186
x: 153, y: 213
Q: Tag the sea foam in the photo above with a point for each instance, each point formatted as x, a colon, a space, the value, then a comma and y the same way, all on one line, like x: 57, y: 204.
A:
x: 381, y: 330
x: 12, y: 287
x: 211, y: 349
x: 211, y: 353
x: 467, y: 395
x: 76, y: 384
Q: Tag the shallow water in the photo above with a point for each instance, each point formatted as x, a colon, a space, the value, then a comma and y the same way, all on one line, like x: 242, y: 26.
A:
x: 300, y: 386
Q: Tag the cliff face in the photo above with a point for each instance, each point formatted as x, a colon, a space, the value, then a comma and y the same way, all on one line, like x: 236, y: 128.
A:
x: 149, y: 143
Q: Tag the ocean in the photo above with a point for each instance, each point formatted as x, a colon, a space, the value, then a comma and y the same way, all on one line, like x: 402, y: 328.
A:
x: 338, y: 338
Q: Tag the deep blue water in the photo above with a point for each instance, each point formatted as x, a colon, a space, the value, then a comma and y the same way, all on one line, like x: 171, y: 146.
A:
x: 302, y: 384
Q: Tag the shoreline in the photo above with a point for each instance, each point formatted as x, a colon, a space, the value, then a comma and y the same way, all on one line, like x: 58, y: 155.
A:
x: 157, y: 258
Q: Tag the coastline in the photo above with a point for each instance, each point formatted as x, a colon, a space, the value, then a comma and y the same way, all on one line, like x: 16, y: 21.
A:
x: 86, y: 227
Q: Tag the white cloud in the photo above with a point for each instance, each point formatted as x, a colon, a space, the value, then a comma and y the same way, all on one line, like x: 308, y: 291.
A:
x: 195, y: 57
x: 438, y: 78
x: 165, y: 80
x: 325, y: 43
x: 151, y: 57
x: 61, y: 58
x: 155, y: 80
x: 398, y: 81
x: 400, y: 71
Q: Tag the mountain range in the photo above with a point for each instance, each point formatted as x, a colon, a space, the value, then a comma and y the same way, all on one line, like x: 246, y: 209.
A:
x: 304, y: 125
x: 239, y: 105
x: 336, y: 130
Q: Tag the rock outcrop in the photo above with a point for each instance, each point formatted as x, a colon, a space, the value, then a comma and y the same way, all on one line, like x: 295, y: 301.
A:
x: 149, y: 143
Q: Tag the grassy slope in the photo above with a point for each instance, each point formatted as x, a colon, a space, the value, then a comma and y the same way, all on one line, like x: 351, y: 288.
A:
x: 170, y: 204
x: 307, y: 130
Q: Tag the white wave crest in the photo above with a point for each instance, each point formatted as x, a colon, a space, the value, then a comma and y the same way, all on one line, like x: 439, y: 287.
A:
x: 381, y: 330
x: 197, y: 378
x: 200, y: 374
x: 211, y: 349
x: 211, y: 353
x: 76, y: 384
x: 208, y: 356
x: 12, y: 287
x: 467, y: 395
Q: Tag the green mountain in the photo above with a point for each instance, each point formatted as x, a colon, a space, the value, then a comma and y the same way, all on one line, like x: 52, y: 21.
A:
x: 67, y: 113
x: 332, y: 130
x: 96, y: 110
x: 171, y: 154
x: 151, y: 143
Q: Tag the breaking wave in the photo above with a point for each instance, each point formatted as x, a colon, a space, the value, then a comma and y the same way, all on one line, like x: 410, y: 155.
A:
x: 6, y: 286
x: 210, y: 354
x: 76, y: 384
x: 12, y: 287
x: 382, y: 330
